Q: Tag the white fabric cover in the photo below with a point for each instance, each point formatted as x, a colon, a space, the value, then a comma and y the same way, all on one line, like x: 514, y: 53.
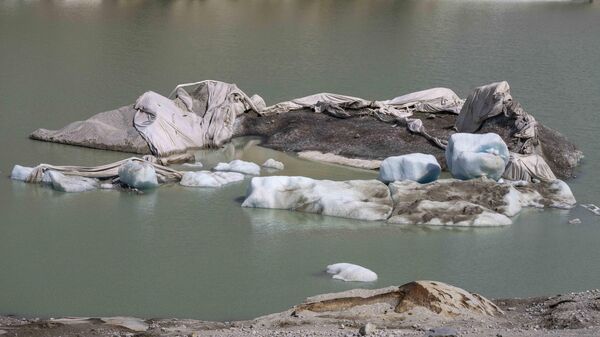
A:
x: 356, y: 199
x: 470, y: 155
x: 528, y: 167
x: 484, y: 102
x: 429, y: 100
x: 203, y: 115
x: 419, y: 167
x: 351, y: 272
x: 209, y: 179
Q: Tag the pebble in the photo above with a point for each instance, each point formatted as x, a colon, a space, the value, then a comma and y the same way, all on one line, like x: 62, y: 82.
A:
x: 442, y: 332
x: 367, y: 329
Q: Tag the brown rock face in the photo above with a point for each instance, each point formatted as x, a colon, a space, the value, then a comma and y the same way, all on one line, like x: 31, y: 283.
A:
x: 435, y: 297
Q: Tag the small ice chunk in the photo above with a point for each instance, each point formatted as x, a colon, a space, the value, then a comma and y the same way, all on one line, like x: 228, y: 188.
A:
x: 209, y: 179
x: 274, y: 164
x: 193, y: 165
x: 240, y: 166
x: 68, y: 183
x: 470, y: 155
x: 419, y: 167
x: 136, y: 174
x: 20, y: 172
x: 351, y: 273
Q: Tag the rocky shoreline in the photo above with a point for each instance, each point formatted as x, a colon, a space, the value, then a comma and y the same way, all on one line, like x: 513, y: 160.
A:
x: 420, y: 308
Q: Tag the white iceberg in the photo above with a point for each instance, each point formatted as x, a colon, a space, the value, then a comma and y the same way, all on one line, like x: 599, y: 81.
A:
x: 193, y: 165
x: 68, y: 183
x: 240, y: 166
x: 351, y: 273
x: 209, y: 179
x: 273, y: 164
x: 20, y: 172
x: 138, y: 174
x: 470, y: 156
x: 356, y: 199
x: 419, y: 167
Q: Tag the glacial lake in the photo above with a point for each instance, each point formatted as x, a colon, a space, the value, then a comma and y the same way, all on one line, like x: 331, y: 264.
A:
x: 195, y: 253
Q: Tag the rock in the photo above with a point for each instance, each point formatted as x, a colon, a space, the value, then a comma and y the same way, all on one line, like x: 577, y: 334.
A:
x: 67, y: 183
x: 20, y: 172
x: 240, y: 166
x: 274, y: 164
x: 470, y: 156
x: 423, y: 298
x: 441, y: 332
x: 419, y: 167
x: 367, y: 329
x: 356, y: 199
x: 351, y: 272
x: 209, y: 179
x: 136, y: 174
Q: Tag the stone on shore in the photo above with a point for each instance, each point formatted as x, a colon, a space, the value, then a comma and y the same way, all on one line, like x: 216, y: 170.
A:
x: 209, y: 179
x: 356, y: 199
x: 419, y: 167
x: 273, y: 164
x: 240, y: 166
x: 470, y: 156
x: 351, y: 272
x: 138, y: 175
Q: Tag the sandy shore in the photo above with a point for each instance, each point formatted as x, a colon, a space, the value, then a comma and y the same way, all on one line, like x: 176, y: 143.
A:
x: 574, y: 314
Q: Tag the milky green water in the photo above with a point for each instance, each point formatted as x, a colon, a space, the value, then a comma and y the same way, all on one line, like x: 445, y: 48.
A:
x: 195, y: 252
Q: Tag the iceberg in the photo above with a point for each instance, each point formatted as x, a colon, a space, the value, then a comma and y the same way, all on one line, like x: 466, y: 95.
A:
x: 68, y: 183
x: 240, y: 166
x: 273, y: 164
x: 20, y: 172
x: 419, y: 167
x: 470, y: 156
x: 351, y: 272
x: 138, y: 174
x: 209, y: 179
x: 356, y: 199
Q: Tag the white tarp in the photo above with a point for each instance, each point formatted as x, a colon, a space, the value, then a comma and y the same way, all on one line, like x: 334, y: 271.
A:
x: 201, y: 114
x: 429, y: 100
x: 528, y: 167
x: 484, y: 102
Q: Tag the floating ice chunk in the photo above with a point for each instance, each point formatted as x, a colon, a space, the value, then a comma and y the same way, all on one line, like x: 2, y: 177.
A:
x: 68, y: 183
x: 351, y: 273
x: 20, y: 172
x: 419, y: 167
x: 193, y: 165
x: 138, y: 175
x: 356, y: 199
x: 470, y: 155
x: 209, y: 179
x: 274, y: 164
x: 240, y: 166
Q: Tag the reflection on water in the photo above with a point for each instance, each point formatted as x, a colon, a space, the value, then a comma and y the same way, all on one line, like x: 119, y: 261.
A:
x: 193, y: 252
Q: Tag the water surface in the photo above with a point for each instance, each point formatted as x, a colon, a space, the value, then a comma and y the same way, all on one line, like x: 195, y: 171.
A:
x: 195, y: 252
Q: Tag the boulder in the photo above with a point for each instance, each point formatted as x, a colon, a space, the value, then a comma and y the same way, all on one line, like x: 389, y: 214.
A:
x: 471, y: 156
x: 138, y: 174
x: 351, y: 272
x: 356, y: 199
x: 273, y: 164
x: 240, y: 166
x: 68, y: 183
x: 418, y: 298
x: 209, y: 179
x: 419, y: 167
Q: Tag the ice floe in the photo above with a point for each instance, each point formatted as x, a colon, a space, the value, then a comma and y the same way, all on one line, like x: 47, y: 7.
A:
x: 209, y: 179
x: 419, y: 167
x: 240, y: 166
x: 351, y: 272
